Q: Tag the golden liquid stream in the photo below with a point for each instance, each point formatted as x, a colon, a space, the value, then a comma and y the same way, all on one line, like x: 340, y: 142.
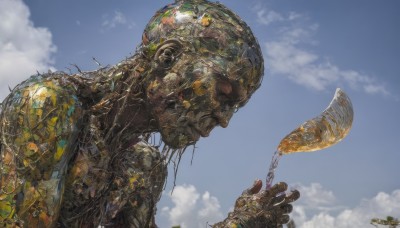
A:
x: 321, y: 132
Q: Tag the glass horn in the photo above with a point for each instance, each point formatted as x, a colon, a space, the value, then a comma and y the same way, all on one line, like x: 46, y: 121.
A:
x: 323, y: 131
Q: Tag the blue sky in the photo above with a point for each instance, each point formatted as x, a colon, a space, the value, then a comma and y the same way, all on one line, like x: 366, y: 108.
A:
x: 310, y: 48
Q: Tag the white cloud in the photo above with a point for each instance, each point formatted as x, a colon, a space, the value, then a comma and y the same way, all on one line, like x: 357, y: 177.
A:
x: 315, y: 196
x: 320, y: 204
x: 373, y: 89
x: 24, y: 48
x: 210, y: 211
x: 294, y: 16
x: 287, y: 56
x: 267, y: 17
x: 118, y: 18
x: 190, y: 210
x: 316, y: 208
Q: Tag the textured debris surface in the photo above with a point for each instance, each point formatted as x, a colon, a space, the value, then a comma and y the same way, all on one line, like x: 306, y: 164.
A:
x: 75, y: 149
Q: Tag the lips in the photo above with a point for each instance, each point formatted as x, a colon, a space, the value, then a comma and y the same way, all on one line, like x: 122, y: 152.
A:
x: 194, y: 133
x: 198, y: 125
x: 205, y: 127
x: 203, y: 133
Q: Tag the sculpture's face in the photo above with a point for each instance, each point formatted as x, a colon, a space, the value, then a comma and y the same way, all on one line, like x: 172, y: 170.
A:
x: 206, y: 65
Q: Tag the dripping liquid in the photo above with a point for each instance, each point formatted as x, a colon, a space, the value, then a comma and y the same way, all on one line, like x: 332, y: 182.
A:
x: 271, y: 172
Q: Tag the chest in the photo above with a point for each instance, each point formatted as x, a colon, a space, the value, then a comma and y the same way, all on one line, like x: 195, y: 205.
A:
x: 103, y: 185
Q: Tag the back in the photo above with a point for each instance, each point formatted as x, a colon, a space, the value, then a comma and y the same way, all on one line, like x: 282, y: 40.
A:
x: 39, y: 123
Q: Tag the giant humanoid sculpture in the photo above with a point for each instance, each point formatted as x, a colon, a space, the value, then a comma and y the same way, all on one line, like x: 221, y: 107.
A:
x: 73, y: 147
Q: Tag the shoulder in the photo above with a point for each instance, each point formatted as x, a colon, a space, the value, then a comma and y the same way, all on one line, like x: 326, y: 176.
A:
x: 51, y: 89
x: 52, y: 85
x: 39, y: 119
x: 49, y: 99
x: 42, y: 94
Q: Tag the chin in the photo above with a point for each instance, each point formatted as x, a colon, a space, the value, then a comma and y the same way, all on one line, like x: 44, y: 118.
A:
x: 179, y: 140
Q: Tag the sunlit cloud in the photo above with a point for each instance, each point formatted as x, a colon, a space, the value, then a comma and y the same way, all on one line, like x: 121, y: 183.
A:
x: 315, y: 196
x: 318, y: 207
x: 210, y: 209
x: 24, y: 48
x: 191, y: 210
x: 287, y: 56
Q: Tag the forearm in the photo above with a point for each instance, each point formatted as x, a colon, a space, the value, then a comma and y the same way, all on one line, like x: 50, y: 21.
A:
x: 234, y: 221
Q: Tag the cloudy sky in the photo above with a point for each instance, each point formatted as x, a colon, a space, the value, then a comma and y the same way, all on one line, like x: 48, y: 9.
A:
x: 310, y: 48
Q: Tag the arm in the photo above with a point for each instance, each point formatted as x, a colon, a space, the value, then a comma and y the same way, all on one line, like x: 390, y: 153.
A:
x: 260, y: 209
x: 38, y: 130
x: 150, y: 164
x: 139, y: 181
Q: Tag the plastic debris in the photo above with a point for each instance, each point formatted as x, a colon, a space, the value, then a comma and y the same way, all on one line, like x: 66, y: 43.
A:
x: 74, y: 148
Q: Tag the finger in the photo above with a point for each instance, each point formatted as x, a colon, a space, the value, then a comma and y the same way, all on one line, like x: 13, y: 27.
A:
x: 277, y: 188
x: 286, y: 208
x: 283, y: 219
x: 278, y: 199
x: 257, y: 185
x: 292, y: 196
x: 276, y: 218
x: 269, y: 197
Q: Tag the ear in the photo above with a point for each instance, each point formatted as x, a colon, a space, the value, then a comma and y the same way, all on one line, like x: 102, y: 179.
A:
x: 168, y: 52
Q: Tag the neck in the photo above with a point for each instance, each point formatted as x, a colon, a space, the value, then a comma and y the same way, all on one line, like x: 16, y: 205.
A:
x: 122, y: 108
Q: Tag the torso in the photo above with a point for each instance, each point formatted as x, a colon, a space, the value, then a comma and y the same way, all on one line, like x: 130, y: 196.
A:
x: 118, y: 189
x: 55, y: 145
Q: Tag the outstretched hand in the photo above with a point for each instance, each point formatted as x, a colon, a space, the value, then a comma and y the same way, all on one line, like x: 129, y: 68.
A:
x: 262, y: 208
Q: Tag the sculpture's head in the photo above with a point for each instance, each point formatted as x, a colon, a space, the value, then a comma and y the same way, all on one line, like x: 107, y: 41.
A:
x: 206, y: 64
